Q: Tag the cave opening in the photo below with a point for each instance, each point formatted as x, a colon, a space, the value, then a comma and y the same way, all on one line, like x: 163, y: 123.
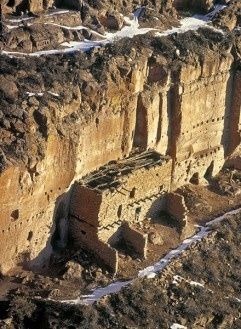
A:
x: 194, y: 179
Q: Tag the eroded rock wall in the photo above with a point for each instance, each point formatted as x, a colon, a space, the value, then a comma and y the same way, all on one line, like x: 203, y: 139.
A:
x: 204, y: 109
x: 134, y: 95
x: 199, y: 5
x: 100, y: 5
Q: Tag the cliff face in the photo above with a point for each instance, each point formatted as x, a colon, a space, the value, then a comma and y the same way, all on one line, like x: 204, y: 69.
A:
x: 64, y: 116
x: 39, y: 5
x: 201, y: 5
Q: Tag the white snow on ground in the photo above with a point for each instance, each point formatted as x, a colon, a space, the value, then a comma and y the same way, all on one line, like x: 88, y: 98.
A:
x: 130, y: 30
x: 41, y: 94
x: 77, y: 28
x: 11, y: 27
x: 196, y: 284
x: 193, y: 23
x: 151, y: 276
x: 34, y: 94
x: 19, y: 20
x: 99, y: 293
x: 177, y: 279
x: 53, y: 94
x: 151, y: 271
x: 59, y: 12
x: 177, y: 326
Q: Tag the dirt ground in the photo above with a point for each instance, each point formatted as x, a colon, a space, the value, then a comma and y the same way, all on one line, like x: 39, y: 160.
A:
x: 204, y: 263
x: 204, y: 203
x: 200, y: 289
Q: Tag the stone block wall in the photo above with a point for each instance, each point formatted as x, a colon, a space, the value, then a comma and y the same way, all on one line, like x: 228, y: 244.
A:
x: 131, y: 201
x: 136, y: 239
x: 175, y: 206
x: 85, y: 204
x: 83, y: 235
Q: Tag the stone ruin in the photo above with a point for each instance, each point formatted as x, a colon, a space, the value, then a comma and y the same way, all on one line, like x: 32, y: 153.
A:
x: 106, y: 205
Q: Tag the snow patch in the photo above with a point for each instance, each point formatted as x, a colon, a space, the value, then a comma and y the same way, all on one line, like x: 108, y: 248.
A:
x: 151, y: 276
x: 41, y: 94
x: 53, y: 94
x: 177, y: 279
x: 193, y: 23
x: 177, y: 326
x: 59, y: 12
x: 129, y: 31
x: 196, y: 284
x: 99, y: 293
x: 151, y: 271
x: 19, y: 20
x: 76, y: 28
x: 33, y: 94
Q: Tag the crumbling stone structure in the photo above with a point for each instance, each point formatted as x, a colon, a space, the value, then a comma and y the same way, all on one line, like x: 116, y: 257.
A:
x: 105, y: 204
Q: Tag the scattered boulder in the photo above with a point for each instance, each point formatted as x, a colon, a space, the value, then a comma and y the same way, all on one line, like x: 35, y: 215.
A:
x: 114, y: 21
x: 7, y: 323
x: 8, y: 87
x: 74, y: 271
x: 155, y: 238
x: 203, y: 6
x: 230, y: 17
x: 54, y: 293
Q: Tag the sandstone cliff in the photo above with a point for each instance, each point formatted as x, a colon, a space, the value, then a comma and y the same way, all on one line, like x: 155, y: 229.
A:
x: 62, y: 117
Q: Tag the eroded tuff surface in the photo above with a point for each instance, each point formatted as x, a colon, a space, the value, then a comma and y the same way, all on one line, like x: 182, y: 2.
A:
x: 62, y: 117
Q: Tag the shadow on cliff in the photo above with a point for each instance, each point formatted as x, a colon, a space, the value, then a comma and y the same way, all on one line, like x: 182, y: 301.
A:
x: 58, y: 236
x: 230, y: 124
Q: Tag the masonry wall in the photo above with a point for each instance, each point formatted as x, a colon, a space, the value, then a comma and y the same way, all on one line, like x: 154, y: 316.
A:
x: 136, y: 239
x: 83, y: 235
x: 85, y: 204
x: 131, y: 201
x: 175, y: 206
